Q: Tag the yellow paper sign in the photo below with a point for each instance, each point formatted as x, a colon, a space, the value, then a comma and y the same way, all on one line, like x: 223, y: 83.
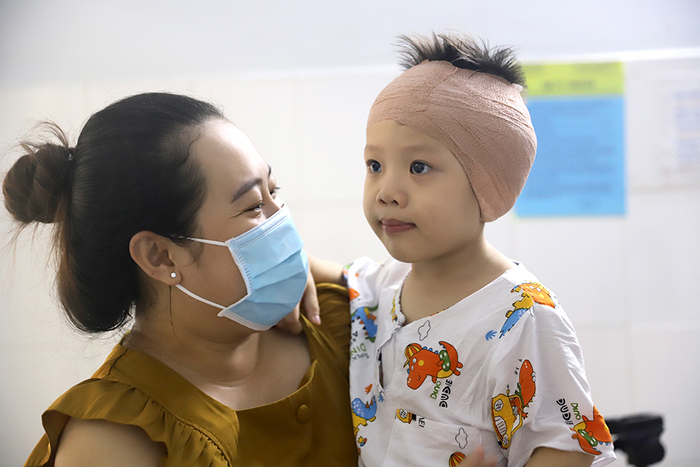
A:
x: 575, y: 79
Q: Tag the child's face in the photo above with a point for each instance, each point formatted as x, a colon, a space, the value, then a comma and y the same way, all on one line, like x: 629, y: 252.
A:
x: 417, y: 197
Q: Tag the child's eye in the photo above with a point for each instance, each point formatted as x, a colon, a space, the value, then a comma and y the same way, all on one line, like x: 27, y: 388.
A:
x: 374, y: 166
x: 420, y: 168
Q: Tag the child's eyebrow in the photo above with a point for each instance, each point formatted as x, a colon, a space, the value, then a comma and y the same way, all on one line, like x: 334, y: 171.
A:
x: 418, y: 147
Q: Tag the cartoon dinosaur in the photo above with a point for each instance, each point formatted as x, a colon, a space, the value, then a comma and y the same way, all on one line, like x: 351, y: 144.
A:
x: 508, y: 411
x: 537, y: 292
x: 591, y: 433
x: 530, y: 293
x: 367, y: 320
x: 513, y: 316
x: 526, y: 388
x: 426, y: 362
x: 363, y: 412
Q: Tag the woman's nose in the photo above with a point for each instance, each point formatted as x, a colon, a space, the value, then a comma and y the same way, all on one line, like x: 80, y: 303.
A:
x: 273, y: 204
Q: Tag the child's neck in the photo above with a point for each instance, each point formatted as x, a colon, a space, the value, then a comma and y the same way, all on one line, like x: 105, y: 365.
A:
x: 439, y: 283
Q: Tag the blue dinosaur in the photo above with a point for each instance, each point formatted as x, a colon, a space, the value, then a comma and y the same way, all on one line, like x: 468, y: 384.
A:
x: 363, y: 410
x: 367, y: 321
x: 512, y: 320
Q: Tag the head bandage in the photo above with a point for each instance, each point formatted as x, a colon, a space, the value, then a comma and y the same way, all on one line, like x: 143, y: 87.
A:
x: 479, y: 117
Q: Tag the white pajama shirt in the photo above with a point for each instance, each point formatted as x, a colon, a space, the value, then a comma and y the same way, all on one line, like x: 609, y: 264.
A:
x: 502, y: 368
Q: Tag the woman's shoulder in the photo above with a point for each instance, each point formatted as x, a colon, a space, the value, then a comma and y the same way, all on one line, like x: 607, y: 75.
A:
x: 103, y: 443
x: 125, y: 392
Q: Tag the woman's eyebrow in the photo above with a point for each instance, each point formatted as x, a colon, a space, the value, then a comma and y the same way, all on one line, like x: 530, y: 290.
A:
x: 247, y: 186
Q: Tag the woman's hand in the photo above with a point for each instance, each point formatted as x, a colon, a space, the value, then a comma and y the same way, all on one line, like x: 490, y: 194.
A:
x: 478, y: 458
x: 312, y: 310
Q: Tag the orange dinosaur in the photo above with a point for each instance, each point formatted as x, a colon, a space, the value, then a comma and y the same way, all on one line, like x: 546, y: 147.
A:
x: 426, y: 362
x: 590, y: 433
x: 508, y: 411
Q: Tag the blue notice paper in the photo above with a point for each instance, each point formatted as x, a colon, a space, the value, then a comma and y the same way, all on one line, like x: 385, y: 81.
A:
x: 579, y: 168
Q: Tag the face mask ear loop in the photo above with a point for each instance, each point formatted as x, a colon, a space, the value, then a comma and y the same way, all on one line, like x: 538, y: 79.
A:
x: 209, y: 242
x: 197, y: 297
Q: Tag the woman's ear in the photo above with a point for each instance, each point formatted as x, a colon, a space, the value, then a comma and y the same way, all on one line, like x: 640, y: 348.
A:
x: 153, y: 253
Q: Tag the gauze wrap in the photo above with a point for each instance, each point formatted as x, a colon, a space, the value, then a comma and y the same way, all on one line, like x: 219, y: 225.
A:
x: 480, y: 117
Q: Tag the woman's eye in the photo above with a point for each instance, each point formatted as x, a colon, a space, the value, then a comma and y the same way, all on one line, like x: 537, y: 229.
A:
x: 374, y: 166
x: 274, y: 191
x: 420, y: 168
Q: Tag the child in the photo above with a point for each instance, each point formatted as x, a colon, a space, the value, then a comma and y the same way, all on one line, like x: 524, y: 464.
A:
x: 454, y: 345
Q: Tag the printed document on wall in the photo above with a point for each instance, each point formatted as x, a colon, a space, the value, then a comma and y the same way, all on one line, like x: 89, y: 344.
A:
x: 578, y: 114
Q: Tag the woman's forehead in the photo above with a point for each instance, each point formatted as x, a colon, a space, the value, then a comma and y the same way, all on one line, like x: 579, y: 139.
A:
x: 227, y: 155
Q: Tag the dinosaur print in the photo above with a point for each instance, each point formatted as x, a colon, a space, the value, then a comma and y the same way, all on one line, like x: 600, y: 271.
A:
x: 425, y: 362
x: 508, y: 411
x: 591, y: 433
x: 530, y: 293
x: 363, y: 412
x: 368, y: 318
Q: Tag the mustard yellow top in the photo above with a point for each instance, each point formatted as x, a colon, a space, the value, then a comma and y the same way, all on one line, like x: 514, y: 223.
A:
x: 311, y: 427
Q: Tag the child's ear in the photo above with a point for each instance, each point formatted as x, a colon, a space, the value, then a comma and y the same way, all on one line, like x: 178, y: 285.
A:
x: 153, y: 254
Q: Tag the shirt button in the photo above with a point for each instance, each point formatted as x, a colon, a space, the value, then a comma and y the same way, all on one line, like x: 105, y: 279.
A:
x: 303, y: 413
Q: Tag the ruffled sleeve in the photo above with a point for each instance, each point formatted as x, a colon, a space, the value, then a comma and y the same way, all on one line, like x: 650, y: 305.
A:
x: 189, y: 440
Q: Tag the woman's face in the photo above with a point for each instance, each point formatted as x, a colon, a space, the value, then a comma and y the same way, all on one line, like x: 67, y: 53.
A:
x: 241, y: 194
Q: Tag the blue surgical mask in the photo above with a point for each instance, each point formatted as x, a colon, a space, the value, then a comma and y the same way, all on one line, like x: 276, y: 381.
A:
x: 274, y: 267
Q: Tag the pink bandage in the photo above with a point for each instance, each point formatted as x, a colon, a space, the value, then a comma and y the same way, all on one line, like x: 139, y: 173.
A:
x: 480, y: 117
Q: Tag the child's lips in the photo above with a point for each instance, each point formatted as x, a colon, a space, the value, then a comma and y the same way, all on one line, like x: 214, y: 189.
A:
x: 392, y: 226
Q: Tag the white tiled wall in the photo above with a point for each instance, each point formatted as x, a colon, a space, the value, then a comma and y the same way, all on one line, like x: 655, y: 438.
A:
x: 628, y: 283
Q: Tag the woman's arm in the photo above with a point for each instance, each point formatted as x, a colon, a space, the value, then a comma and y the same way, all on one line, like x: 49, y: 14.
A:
x: 326, y: 271
x: 547, y: 457
x: 105, y: 444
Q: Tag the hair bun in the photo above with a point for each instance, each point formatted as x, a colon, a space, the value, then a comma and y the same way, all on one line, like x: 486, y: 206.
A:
x: 39, y: 182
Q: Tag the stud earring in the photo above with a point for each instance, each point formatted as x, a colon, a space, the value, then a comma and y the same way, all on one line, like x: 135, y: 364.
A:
x: 173, y: 274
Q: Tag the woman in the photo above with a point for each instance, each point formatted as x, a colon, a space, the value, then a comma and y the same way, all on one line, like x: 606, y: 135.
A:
x: 165, y: 211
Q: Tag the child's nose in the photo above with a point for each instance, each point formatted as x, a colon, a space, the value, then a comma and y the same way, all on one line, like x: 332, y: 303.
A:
x: 391, y: 192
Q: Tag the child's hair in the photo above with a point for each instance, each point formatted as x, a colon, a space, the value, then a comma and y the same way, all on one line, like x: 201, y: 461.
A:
x: 130, y: 171
x: 462, y: 52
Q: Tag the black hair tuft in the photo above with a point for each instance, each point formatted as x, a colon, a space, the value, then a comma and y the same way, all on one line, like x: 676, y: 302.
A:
x: 462, y: 52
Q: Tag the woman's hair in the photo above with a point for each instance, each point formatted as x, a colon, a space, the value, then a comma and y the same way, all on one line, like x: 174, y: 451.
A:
x: 462, y: 52
x: 130, y: 171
